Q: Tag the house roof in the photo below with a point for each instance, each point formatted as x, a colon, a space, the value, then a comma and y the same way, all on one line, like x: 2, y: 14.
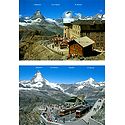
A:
x: 84, y: 41
x: 73, y: 99
x: 88, y: 22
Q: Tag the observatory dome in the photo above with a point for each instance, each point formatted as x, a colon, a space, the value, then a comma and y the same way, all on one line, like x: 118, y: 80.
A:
x: 68, y: 14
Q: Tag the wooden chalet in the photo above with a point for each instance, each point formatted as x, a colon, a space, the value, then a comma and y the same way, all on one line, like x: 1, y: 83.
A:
x: 81, y: 46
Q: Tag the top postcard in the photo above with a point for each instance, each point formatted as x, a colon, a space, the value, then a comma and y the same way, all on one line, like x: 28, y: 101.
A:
x: 62, y: 30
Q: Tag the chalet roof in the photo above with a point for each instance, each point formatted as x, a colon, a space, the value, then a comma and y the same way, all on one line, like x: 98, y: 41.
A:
x: 88, y: 22
x: 74, y: 100
x: 84, y: 41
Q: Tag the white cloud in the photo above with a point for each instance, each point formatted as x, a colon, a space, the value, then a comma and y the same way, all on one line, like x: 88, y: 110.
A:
x: 20, y: 15
x: 79, y: 15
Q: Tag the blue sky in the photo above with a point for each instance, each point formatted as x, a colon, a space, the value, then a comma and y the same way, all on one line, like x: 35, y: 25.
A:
x: 55, y: 8
x: 63, y: 74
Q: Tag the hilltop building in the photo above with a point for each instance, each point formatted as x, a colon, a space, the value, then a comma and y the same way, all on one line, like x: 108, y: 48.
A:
x: 68, y: 18
x: 94, y: 29
x: 76, y: 100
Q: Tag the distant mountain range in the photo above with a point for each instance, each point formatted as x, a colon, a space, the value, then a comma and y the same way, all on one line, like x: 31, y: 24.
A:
x: 68, y: 17
x: 38, y: 84
x: 45, y: 26
x: 38, y: 24
x: 38, y: 19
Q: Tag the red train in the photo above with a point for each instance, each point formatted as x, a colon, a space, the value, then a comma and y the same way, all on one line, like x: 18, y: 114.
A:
x: 80, y: 112
x: 69, y: 110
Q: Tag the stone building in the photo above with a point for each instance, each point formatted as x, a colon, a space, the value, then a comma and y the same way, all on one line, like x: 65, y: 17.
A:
x: 94, y: 29
x: 74, y: 101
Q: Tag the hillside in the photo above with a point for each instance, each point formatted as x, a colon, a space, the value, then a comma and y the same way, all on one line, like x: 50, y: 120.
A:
x: 32, y: 30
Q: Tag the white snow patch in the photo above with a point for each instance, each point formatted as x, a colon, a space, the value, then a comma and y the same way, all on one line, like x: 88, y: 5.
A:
x: 38, y: 20
x: 54, y: 86
x: 28, y: 89
x: 50, y: 20
x: 37, y: 85
x: 68, y: 20
x: 24, y: 23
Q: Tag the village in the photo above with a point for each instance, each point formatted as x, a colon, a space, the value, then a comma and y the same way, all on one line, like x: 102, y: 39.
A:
x: 81, y: 39
x: 74, y: 111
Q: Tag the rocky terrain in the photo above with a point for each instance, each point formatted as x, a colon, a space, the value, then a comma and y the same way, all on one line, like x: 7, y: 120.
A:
x: 100, y: 115
x: 31, y: 30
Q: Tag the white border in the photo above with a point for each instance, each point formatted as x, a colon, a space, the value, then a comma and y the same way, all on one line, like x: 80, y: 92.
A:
x: 62, y: 62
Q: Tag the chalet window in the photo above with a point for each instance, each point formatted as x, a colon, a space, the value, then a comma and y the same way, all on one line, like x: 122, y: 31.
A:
x: 93, y: 27
x: 101, y: 44
x: 97, y: 44
x: 101, y: 38
x: 102, y: 33
x: 97, y: 38
x: 88, y: 34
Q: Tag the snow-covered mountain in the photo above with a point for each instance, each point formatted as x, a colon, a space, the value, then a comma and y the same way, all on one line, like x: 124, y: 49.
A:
x: 37, y: 19
x: 52, y: 21
x: 38, y: 86
x: 38, y: 82
x: 89, y: 83
x: 33, y: 20
x: 38, y: 15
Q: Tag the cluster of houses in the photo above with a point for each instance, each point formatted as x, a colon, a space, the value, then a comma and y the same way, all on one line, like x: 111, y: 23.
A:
x: 82, y: 36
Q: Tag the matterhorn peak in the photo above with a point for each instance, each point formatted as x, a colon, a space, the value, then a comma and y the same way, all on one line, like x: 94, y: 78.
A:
x: 38, y: 12
x: 38, y: 77
x: 38, y: 73
x: 37, y: 15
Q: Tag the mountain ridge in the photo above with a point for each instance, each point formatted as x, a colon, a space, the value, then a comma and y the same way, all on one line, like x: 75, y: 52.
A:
x: 38, y: 82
